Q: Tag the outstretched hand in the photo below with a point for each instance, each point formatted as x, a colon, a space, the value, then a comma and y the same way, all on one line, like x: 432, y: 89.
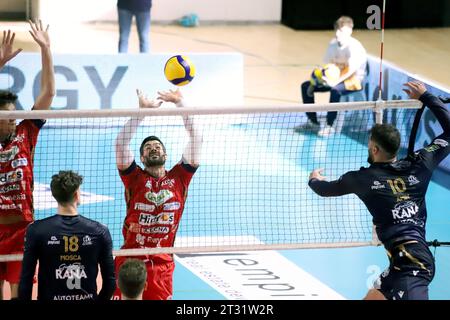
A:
x: 174, y: 96
x: 6, y: 48
x: 416, y: 89
x: 39, y: 34
x: 317, y: 174
x: 145, y: 102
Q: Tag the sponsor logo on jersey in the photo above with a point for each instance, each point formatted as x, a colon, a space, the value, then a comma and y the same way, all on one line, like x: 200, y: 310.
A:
x: 13, y: 197
x: 19, y: 138
x: 415, y: 272
x: 151, y: 239
x: 146, y: 219
x: 70, y: 271
x: 21, y: 162
x: 140, y: 239
x: 413, y: 180
x: 73, y: 297
x: 440, y: 142
x: 12, y: 187
x: 160, y: 197
x: 87, y: 241
x: 70, y: 257
x: 11, y: 206
x: 168, y: 182
x: 12, y: 176
x: 8, y: 155
x: 405, y: 210
x: 432, y: 148
x: 171, y: 206
x: 144, y: 207
x: 403, y: 198
x: 53, y: 240
x: 155, y: 230
x: 377, y: 185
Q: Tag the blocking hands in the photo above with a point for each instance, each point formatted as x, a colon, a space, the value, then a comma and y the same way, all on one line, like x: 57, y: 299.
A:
x: 6, y: 48
x: 39, y: 34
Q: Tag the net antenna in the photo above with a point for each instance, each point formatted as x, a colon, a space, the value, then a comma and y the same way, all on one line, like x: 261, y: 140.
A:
x: 381, y: 51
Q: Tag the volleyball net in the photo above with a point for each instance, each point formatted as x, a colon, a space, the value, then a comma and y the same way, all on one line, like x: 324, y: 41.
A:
x: 251, y: 189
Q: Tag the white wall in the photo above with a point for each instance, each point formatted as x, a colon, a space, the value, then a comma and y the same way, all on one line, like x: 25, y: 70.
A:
x: 163, y: 10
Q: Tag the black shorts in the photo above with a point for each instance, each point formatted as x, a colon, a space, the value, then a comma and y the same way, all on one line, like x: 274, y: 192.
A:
x: 410, y: 272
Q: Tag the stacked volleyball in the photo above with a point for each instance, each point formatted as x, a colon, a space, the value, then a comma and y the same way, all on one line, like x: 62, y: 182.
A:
x: 179, y: 70
x: 329, y: 71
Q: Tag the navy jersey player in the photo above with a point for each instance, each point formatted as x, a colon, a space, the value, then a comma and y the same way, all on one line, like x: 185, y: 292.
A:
x: 69, y: 248
x: 394, y: 193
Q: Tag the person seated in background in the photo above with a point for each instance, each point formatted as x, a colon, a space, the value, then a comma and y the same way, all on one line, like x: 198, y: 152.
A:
x: 349, y: 55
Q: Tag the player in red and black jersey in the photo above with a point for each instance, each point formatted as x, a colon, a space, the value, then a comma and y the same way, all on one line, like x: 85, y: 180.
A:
x: 17, y: 145
x: 394, y: 193
x: 155, y: 197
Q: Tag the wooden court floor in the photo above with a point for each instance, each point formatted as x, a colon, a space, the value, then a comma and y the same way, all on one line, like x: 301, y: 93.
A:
x: 276, y: 58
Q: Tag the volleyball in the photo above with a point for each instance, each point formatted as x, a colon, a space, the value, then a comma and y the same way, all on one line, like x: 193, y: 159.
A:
x: 330, y: 71
x: 179, y: 70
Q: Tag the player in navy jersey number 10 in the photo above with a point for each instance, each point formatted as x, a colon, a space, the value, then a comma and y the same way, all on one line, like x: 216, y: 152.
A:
x: 394, y: 193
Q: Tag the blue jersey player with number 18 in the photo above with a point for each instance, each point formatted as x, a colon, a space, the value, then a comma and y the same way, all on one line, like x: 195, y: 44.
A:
x: 394, y: 193
x: 69, y: 248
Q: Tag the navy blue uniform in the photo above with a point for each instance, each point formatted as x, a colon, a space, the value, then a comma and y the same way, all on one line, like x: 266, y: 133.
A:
x: 69, y: 250
x: 394, y: 194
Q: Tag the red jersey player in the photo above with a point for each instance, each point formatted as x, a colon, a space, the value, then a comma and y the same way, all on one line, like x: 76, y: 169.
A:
x: 17, y: 144
x: 155, y: 197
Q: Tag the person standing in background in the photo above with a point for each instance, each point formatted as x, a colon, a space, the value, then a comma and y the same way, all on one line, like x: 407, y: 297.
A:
x: 140, y: 9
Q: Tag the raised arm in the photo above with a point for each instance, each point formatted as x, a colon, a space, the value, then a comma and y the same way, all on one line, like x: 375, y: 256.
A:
x: 192, y: 151
x: 124, y: 156
x: 6, y: 48
x: 45, y: 98
x: 439, y: 148
x: 324, y: 188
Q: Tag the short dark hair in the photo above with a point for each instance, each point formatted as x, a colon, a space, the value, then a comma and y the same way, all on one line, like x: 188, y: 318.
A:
x: 387, y: 137
x: 343, y: 21
x: 64, y: 185
x: 132, y: 277
x: 7, y: 97
x: 150, y: 138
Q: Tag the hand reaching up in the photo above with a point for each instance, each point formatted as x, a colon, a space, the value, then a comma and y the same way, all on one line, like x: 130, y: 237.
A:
x: 39, y: 34
x: 145, y: 102
x: 6, y: 48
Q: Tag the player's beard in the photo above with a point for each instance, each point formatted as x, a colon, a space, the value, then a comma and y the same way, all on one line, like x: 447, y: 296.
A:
x: 149, y: 161
x: 7, y: 130
x: 370, y: 158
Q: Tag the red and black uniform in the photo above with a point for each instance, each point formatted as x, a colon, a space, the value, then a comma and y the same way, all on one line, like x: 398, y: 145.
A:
x: 16, y: 192
x: 154, y: 210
